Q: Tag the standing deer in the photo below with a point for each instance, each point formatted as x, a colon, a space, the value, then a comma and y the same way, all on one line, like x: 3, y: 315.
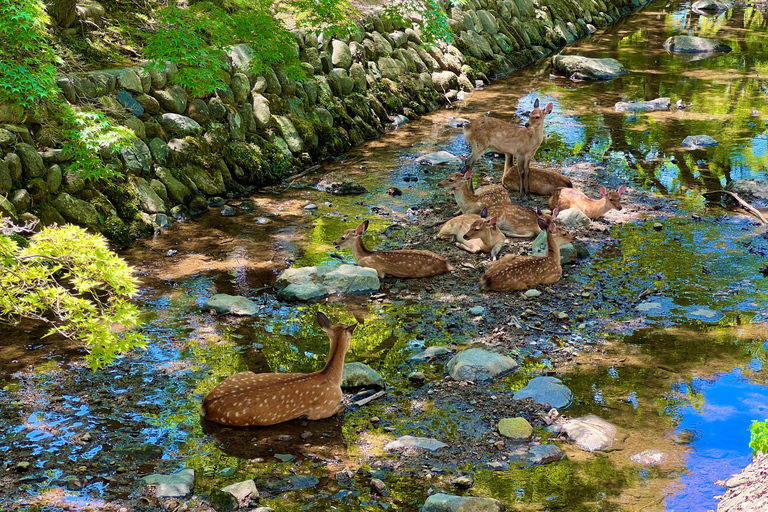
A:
x: 483, y: 236
x: 470, y: 202
x: 520, y: 142
x: 248, y: 398
x: 518, y: 221
x: 398, y: 263
x: 543, y: 182
x: 593, y: 208
x: 520, y: 272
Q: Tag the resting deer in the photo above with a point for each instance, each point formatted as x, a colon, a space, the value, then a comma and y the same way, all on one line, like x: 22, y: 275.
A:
x: 470, y: 202
x: 543, y: 182
x: 518, y: 221
x: 399, y: 263
x: 454, y: 229
x: 520, y: 272
x: 593, y: 208
x: 483, y: 236
x: 248, y: 398
x: 520, y: 142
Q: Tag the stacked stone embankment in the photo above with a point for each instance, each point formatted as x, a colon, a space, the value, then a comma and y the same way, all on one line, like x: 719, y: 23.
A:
x: 259, y: 128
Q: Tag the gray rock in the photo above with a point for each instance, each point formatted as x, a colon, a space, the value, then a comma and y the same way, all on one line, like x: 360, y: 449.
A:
x: 361, y: 376
x: 178, y: 125
x: 439, y: 158
x: 177, y: 485
x: 137, y: 125
x: 209, y: 182
x: 429, y: 354
x: 477, y: 365
x: 339, y: 183
x: 178, y: 193
x: 136, y: 158
x: 53, y: 178
x: 150, y: 105
x: 261, y: 112
x: 445, y: 80
x: 77, y: 211
x: 180, y: 212
x: 544, y: 454
x: 711, y: 6
x: 128, y: 101
x: 694, y: 44
x: 198, y: 205
x: 224, y: 304
x: 234, y: 496
x: 13, y: 162
x: 7, y: 209
x: 699, y: 141
x: 21, y: 200
x: 546, y: 390
x: 217, y: 109
x: 11, y: 114
x: 49, y: 216
x: 290, y: 134
x: 572, y: 218
x: 755, y: 188
x: 228, y: 211
x: 477, y: 45
x: 6, y: 183
x: 341, y: 56
x: 149, y: 200
x: 31, y: 161
x: 72, y: 183
x: 643, y: 106
x: 173, y: 100
x: 391, y: 68
x: 39, y: 191
x: 159, y: 151
x: 383, y: 48
x: 240, y: 87
x: 7, y: 138
x: 476, y: 310
x: 585, y: 68
x: 449, y: 503
x: 312, y: 283
x: 198, y: 111
x: 277, y: 485
x: 568, y: 252
x: 590, y: 433
x: 488, y: 20
x: 161, y: 220
x: 408, y: 443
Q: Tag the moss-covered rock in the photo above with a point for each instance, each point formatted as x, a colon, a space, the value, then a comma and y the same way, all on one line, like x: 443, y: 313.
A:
x: 262, y: 163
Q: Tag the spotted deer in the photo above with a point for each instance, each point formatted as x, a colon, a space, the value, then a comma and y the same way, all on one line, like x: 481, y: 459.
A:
x: 518, y: 221
x: 520, y: 142
x: 521, y: 272
x: 592, y: 208
x: 251, y: 399
x: 470, y: 202
x: 397, y: 263
x: 483, y: 236
x: 543, y: 182
x: 454, y: 229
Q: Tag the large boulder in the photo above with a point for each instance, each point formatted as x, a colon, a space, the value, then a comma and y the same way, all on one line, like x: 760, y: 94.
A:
x: 711, y: 6
x: 643, y: 106
x: 148, y: 199
x: 312, y: 283
x: 173, y: 99
x: 441, y: 502
x: 699, y: 141
x: 586, y: 68
x: 6, y: 183
x: 755, y: 188
x: 177, y: 125
x: 77, y: 211
x: 290, y: 134
x: 178, y: 193
x: 361, y: 376
x: 546, y: 390
x: 224, y: 304
x: 694, y: 44
x: 7, y: 209
x: 137, y: 157
x: 209, y: 182
x: 341, y: 56
x: 590, y: 433
x: 31, y: 161
x: 478, y: 365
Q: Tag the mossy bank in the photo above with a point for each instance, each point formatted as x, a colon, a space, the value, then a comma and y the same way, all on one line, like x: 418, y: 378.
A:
x: 260, y: 129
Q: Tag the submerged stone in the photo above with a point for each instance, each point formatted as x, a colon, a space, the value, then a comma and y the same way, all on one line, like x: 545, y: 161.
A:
x: 643, y: 106
x: 699, y: 141
x: 756, y: 188
x: 340, y: 184
x: 417, y: 443
x: 585, y: 68
x: 429, y: 354
x: 439, y: 158
x: 225, y: 304
x: 590, y: 433
x: 441, y: 502
x: 517, y: 429
x: 176, y: 485
x: 546, y: 390
x: 312, y: 283
x: 478, y: 365
x: 544, y: 454
x: 694, y: 44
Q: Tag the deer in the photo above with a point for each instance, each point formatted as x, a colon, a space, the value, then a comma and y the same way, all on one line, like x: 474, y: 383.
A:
x: 514, y: 272
x: 470, y: 202
x: 409, y: 263
x: 258, y: 399
x: 518, y: 221
x: 520, y: 142
x: 483, y: 236
x: 454, y: 229
x: 543, y: 182
x: 593, y: 208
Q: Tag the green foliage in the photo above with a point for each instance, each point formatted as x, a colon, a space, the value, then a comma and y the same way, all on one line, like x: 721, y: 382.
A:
x: 264, y: 163
x: 195, y: 39
x: 70, y: 279
x: 332, y: 16
x: 86, y: 132
x: 27, y: 73
x: 759, y: 440
x: 434, y: 23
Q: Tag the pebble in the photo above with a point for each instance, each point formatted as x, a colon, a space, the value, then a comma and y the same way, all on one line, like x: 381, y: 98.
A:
x: 263, y: 220
x: 284, y: 457
x: 306, y: 434
x: 171, y: 252
x: 477, y: 310
x: 561, y: 315
x: 311, y: 206
x: 285, y: 438
x: 463, y: 482
x: 328, y: 204
x: 378, y: 486
x: 375, y: 420
x: 86, y: 437
x: 418, y: 377
x: 228, y: 211
x: 532, y: 293
x: 658, y: 226
x: 22, y: 466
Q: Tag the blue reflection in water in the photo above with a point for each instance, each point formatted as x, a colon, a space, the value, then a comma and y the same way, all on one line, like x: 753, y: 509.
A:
x: 720, y: 445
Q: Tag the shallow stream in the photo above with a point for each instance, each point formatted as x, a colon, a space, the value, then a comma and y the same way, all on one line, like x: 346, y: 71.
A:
x: 674, y: 351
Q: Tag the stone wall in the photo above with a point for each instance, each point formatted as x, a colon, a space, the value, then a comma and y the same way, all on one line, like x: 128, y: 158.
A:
x: 188, y: 151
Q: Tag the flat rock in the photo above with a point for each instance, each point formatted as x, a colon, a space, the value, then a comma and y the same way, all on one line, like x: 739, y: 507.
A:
x: 312, y: 283
x: 429, y: 354
x: 590, y: 433
x: 478, y: 365
x: 225, y: 304
x: 748, y: 490
x: 270, y: 486
x: 439, y: 158
x: 699, y: 141
x: 544, y: 454
x: 340, y: 184
x: 361, y: 376
x: 178, y: 125
x: 414, y: 443
x: 441, y: 502
x: 694, y: 44
x: 176, y: 485
x: 643, y: 106
x: 585, y: 68
x: 546, y: 390
x: 649, y: 457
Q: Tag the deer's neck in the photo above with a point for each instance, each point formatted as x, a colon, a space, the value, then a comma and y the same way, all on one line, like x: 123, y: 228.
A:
x: 553, y: 249
x: 334, y: 366
x: 464, y: 196
x: 359, y: 250
x: 597, y: 207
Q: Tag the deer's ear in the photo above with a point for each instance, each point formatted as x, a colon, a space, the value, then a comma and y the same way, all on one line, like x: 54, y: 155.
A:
x: 493, y: 221
x: 555, y: 212
x: 468, y: 175
x: 484, y: 213
x: 602, y: 191
x: 538, y: 210
x: 323, y: 320
x: 548, y: 108
x: 536, y: 103
x: 622, y: 190
x: 351, y: 329
x: 552, y: 226
x: 362, y: 228
x: 542, y: 224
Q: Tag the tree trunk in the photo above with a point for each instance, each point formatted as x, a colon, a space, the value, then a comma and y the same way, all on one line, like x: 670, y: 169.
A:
x: 63, y: 12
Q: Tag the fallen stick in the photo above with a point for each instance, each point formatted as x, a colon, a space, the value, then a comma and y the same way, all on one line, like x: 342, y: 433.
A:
x: 748, y: 207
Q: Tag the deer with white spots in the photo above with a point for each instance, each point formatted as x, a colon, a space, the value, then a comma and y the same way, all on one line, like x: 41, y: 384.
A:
x: 454, y: 229
x: 398, y: 263
x: 469, y: 201
x: 518, y: 221
x: 520, y: 142
x: 521, y: 272
x: 483, y: 236
x: 592, y: 208
x: 542, y: 182
x: 248, y: 399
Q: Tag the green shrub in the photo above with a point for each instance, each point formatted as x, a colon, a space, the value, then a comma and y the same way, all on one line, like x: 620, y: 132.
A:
x: 759, y: 440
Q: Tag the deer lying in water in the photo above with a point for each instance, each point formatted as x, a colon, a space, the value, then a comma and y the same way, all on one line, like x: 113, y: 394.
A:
x: 518, y: 221
x: 248, y: 398
x: 543, y: 182
x: 471, y: 202
x: 399, y: 263
x: 520, y: 142
x: 520, y: 272
x: 592, y: 208
x: 483, y: 236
